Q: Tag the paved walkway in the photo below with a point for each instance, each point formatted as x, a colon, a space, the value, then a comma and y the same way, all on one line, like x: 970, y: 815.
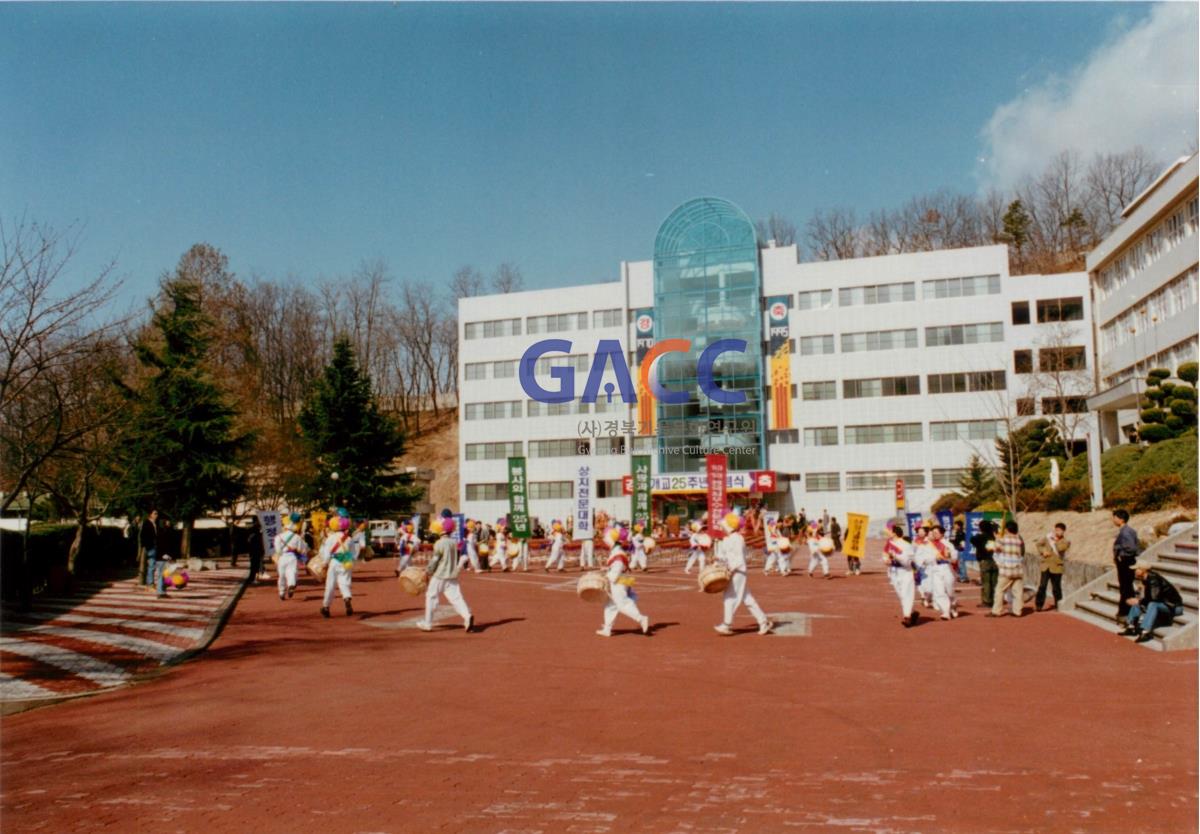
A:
x: 106, y: 634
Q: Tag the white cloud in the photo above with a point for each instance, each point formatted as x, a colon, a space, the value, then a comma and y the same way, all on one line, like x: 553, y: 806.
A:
x: 1138, y: 88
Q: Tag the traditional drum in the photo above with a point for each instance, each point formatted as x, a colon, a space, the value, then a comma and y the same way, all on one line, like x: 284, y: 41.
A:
x: 513, y: 549
x: 484, y: 550
x: 785, y: 544
x: 705, y: 540
x: 317, y: 566
x: 825, y: 545
x: 593, y: 587
x: 413, y: 580
x: 648, y: 544
x: 714, y: 578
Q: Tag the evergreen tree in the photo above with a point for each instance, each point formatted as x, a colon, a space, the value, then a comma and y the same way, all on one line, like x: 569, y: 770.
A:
x: 186, y: 454
x: 344, y: 432
x: 977, y: 484
x: 1016, y: 224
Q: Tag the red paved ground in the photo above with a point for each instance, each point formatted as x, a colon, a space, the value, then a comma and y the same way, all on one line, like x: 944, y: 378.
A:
x: 293, y: 723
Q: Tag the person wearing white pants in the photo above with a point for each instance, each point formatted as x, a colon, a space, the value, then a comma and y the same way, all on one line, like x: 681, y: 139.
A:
x: 443, y: 570
x: 774, y: 555
x: 898, y: 555
x: 638, y: 562
x: 500, y: 552
x: 621, y: 598
x: 945, y: 574
x: 470, y: 552
x: 695, y: 549
x: 924, y: 561
x: 587, y: 554
x: 815, y: 556
x: 558, y: 556
x: 408, y: 545
x: 522, y: 557
x: 338, y: 551
x: 290, y: 548
x: 732, y: 551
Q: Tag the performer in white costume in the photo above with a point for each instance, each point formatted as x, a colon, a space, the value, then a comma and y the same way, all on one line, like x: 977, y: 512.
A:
x: 443, y: 570
x: 338, y: 549
x: 924, y: 561
x: 621, y: 599
x: 500, y: 552
x: 408, y: 544
x: 558, y: 556
x: 945, y: 571
x: 471, y: 552
x: 290, y: 547
x: 771, y: 545
x: 732, y: 551
x: 898, y: 556
x: 815, y: 556
x: 638, y: 562
x: 695, y: 549
x: 587, y: 553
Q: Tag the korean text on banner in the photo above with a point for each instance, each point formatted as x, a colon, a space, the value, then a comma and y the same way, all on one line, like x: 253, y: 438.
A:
x: 268, y: 522
x: 946, y: 519
x: 780, y: 352
x: 716, y: 466
x: 856, y: 535
x: 583, y: 503
x: 641, y: 489
x: 518, y: 499
x: 914, y: 523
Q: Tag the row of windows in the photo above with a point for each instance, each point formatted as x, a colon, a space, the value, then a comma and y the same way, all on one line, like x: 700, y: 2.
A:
x: 541, y: 490
x: 492, y: 411
x: 961, y: 383
x: 1049, y: 310
x: 966, y: 430
x: 494, y: 451
x: 1160, y: 240
x: 961, y: 287
x: 877, y: 294
x: 903, y: 291
x: 964, y: 334
x: 492, y: 329
x: 557, y: 323
x: 907, y: 432
x: 1177, y: 295
x: 890, y: 386
x: 570, y: 447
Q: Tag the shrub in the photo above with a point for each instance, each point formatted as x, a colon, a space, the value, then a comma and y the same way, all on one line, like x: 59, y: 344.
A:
x: 1076, y: 469
x: 1119, y: 464
x: 1031, y: 500
x: 952, y: 502
x: 1158, y: 374
x: 991, y: 507
x: 1073, y: 496
x: 1188, y: 372
x: 1148, y: 494
x: 1155, y: 432
x: 1163, y: 527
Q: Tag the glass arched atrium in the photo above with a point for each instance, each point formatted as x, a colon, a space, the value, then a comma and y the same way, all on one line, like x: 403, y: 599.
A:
x: 707, y: 287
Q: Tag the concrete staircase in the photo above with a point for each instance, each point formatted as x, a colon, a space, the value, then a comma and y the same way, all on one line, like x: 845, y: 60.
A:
x: 1178, y: 559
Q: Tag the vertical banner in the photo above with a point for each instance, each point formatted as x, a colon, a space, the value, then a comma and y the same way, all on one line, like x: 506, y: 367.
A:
x: 946, y: 519
x: 855, y: 543
x: 914, y: 523
x: 770, y: 517
x: 460, y: 532
x: 268, y: 523
x: 779, y: 352
x: 717, y: 466
x: 972, y: 526
x: 899, y: 495
x: 643, y: 336
x: 583, y: 503
x: 641, y: 489
x: 518, y: 503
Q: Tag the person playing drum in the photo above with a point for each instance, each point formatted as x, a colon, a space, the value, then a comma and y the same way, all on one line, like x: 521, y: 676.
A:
x: 443, y: 570
x: 638, y: 562
x: 290, y: 548
x: 732, y: 551
x: 558, y: 548
x: 622, y: 599
x: 500, y: 548
x: 771, y: 542
x: 695, y: 549
x: 338, y: 551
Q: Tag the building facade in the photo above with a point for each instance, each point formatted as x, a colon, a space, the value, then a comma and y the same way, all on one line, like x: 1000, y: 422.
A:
x: 1144, y: 286
x: 894, y: 368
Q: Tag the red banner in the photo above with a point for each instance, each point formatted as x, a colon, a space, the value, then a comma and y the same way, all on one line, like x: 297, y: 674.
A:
x: 717, y: 469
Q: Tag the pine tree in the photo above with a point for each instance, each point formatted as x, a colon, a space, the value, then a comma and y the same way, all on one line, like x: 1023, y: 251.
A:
x: 344, y: 432
x: 977, y: 484
x: 187, y: 454
x: 1016, y: 224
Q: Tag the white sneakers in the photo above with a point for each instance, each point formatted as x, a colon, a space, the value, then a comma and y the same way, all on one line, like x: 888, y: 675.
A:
x: 425, y: 626
x: 766, y: 628
x: 645, y: 623
x: 604, y: 632
x: 723, y: 629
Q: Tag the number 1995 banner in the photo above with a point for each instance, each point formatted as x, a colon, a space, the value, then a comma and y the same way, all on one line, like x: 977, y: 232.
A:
x: 780, y: 353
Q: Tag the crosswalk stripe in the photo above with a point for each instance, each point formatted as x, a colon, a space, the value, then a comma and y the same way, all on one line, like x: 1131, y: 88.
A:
x: 138, y: 645
x: 83, y: 665
x: 110, y: 610
x: 183, y: 632
x: 15, y: 689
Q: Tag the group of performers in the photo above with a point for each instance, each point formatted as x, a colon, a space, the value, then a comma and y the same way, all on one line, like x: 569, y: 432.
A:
x: 927, y: 567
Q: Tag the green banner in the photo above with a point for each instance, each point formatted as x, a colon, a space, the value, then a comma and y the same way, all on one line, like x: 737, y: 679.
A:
x: 518, y: 499
x: 641, y: 489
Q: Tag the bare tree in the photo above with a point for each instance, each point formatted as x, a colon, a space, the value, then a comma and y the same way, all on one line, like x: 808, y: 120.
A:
x: 1061, y: 381
x: 467, y: 282
x: 833, y: 234
x: 1111, y: 183
x: 777, y: 228
x: 508, y: 279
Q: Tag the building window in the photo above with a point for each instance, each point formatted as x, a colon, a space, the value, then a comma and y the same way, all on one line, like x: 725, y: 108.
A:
x: 1020, y: 312
x: 570, y: 447
x: 492, y: 411
x: 608, y: 318
x: 964, y: 334
x: 913, y: 479
x: 494, y: 451
x: 879, y: 340
x: 889, y: 386
x: 826, y: 390
x: 812, y: 345
x: 1059, y: 309
x: 877, y: 294
x: 1062, y: 359
x: 1064, y: 405
x: 941, y: 431
x: 814, y: 300
x: 823, y: 482
x: 1023, y: 361
x: 822, y: 436
x: 492, y: 329
x: 551, y: 489
x: 1026, y: 407
x: 578, y: 361
x: 886, y: 433
x: 504, y: 370
x: 645, y: 445
x: 959, y: 287
x: 487, y: 492
x: 783, y: 436
x: 609, y: 488
x: 961, y: 383
x: 610, y: 446
x: 947, y: 478
x: 475, y: 370
x: 557, y: 323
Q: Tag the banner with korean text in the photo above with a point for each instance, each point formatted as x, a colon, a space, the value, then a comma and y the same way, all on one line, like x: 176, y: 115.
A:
x: 518, y: 499
x: 641, y: 489
x: 583, y: 503
x: 780, y: 370
x: 716, y: 466
x: 855, y: 543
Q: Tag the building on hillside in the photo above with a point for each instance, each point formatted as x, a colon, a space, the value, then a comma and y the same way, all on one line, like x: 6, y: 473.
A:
x: 1144, y: 294
x: 856, y: 374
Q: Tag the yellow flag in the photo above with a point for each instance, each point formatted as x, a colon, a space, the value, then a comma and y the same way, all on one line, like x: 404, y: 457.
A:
x: 856, y: 535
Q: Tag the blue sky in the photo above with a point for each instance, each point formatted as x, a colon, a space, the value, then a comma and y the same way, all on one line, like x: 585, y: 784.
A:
x: 302, y: 139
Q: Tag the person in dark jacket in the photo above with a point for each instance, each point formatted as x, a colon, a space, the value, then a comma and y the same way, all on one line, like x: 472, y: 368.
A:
x: 989, y: 574
x: 255, y: 547
x: 1125, y: 553
x: 148, y: 538
x: 959, y: 540
x: 1160, y: 604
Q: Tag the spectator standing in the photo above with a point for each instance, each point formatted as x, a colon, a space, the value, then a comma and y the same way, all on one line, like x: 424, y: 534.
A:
x: 1160, y: 604
x: 1125, y: 552
x: 1010, y: 564
x: 255, y: 549
x: 148, y: 538
x: 1052, y: 549
x: 959, y: 540
x: 983, y: 543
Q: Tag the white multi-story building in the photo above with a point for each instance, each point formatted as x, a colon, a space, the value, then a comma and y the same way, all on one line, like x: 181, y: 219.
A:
x: 1145, y: 291
x: 901, y: 366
